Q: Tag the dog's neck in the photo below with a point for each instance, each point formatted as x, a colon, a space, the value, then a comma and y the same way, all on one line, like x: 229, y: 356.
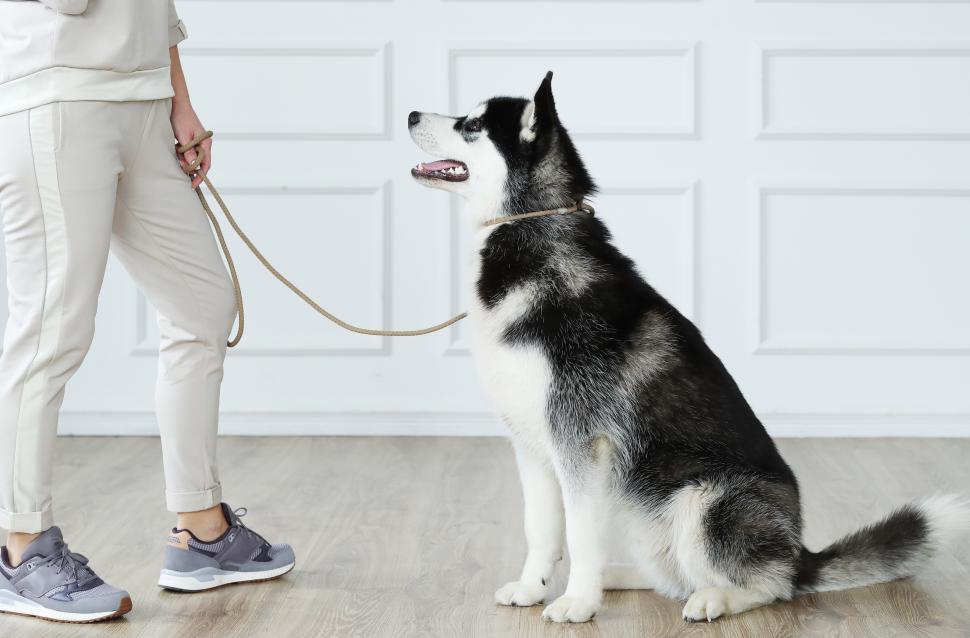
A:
x: 481, y: 209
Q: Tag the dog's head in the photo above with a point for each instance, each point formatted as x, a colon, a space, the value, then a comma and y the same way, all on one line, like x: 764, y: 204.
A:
x: 509, y: 155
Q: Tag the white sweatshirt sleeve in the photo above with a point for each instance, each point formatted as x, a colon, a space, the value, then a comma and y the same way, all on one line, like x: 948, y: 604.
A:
x: 70, y: 7
x: 176, y: 28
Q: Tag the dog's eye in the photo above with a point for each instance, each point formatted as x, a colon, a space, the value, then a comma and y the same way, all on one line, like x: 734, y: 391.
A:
x: 473, y: 126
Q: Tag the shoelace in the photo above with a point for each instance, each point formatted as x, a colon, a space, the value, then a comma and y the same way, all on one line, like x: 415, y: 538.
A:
x: 66, y: 558
x: 240, y: 512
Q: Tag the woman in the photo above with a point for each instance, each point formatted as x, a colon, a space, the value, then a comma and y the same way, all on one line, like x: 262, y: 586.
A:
x: 92, y: 100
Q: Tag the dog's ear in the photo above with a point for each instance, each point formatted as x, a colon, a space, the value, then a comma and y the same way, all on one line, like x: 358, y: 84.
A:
x: 540, y: 114
x: 528, y: 132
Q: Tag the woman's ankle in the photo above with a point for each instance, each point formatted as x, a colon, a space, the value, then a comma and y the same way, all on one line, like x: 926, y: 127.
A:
x: 17, y: 542
x: 206, y: 525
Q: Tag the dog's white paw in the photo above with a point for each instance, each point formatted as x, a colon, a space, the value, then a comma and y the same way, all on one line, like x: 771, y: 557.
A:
x: 706, y: 604
x: 519, y: 594
x: 570, y: 609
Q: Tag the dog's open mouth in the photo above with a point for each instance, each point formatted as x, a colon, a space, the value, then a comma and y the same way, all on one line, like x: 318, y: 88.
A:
x: 447, y: 170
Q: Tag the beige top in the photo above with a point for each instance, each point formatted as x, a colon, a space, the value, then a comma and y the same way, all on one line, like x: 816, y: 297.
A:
x: 68, y: 50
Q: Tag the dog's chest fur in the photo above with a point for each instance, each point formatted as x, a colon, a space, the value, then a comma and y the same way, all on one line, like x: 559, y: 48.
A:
x: 516, y: 378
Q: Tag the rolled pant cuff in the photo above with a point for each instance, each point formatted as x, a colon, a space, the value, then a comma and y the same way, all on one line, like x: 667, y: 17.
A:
x: 26, y: 522
x: 193, y: 501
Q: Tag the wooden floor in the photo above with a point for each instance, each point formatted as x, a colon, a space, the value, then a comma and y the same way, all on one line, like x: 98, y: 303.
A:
x: 411, y: 536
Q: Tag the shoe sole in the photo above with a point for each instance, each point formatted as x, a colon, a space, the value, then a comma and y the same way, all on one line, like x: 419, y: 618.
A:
x: 210, y: 578
x: 19, y: 606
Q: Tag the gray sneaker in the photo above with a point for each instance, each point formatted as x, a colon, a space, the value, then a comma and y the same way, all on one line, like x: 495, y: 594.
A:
x: 240, y: 555
x: 53, y: 582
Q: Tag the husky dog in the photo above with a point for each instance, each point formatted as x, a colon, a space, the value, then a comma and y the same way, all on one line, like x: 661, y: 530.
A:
x: 629, y: 433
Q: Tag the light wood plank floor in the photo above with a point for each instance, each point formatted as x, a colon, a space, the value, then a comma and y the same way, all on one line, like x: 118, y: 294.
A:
x: 411, y: 536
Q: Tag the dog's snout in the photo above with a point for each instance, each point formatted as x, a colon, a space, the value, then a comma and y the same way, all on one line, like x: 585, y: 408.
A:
x: 413, y: 118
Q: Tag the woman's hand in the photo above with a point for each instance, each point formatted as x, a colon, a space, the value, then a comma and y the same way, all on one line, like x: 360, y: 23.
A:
x: 186, y: 125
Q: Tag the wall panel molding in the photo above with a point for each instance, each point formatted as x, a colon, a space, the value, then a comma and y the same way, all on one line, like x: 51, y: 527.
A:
x: 381, y: 54
x: 850, y: 2
x: 764, y: 344
x: 685, y: 54
x: 298, y: 1
x: 922, y: 127
x: 580, y: 1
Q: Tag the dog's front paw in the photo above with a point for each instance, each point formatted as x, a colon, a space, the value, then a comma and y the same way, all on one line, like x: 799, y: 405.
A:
x: 519, y: 594
x: 705, y: 604
x: 571, y: 609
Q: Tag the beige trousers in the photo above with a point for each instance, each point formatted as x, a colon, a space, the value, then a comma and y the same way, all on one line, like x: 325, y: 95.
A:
x: 76, y: 178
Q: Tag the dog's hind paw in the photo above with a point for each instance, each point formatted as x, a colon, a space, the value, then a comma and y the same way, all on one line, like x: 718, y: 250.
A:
x: 519, y: 594
x: 569, y: 609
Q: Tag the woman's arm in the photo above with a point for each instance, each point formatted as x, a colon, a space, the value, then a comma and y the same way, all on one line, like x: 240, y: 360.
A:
x: 185, y: 123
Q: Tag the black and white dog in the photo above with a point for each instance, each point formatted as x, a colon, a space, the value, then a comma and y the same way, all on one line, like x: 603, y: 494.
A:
x: 628, y: 431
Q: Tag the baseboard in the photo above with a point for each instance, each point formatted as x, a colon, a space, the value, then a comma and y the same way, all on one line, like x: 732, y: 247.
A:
x: 867, y: 425
x: 484, y: 424
x: 294, y: 424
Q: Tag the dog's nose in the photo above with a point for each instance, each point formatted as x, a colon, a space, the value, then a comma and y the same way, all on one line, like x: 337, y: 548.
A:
x: 413, y: 118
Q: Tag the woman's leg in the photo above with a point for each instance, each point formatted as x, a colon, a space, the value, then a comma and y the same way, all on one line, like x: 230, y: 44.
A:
x: 162, y: 237
x: 59, y: 169
x: 58, y: 179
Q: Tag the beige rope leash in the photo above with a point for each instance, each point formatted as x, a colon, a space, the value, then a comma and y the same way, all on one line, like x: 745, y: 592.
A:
x: 579, y: 206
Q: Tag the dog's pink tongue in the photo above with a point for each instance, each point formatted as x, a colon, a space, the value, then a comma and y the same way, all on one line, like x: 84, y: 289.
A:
x: 440, y: 165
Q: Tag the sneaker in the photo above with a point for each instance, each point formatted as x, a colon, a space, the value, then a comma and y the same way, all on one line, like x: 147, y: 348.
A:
x: 240, y: 555
x: 53, y: 582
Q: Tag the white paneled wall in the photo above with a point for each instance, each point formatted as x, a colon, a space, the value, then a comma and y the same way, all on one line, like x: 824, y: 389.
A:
x: 794, y: 174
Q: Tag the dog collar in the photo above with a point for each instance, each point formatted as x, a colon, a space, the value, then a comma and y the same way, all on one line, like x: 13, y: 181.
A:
x: 579, y: 207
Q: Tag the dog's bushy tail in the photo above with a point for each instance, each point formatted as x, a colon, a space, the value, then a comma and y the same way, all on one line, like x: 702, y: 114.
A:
x: 895, y: 547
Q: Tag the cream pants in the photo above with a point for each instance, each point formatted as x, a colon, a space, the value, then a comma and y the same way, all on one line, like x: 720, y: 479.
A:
x: 75, y: 179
